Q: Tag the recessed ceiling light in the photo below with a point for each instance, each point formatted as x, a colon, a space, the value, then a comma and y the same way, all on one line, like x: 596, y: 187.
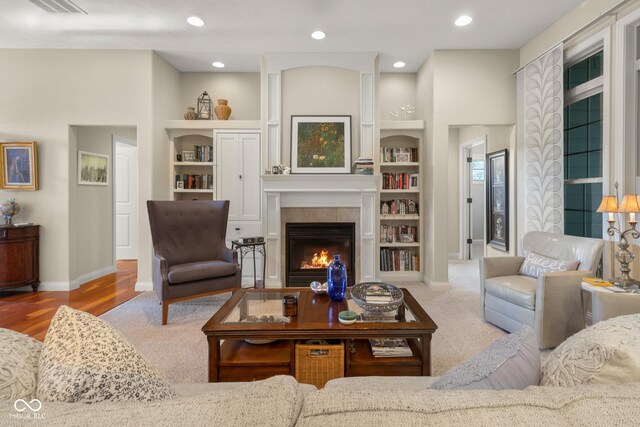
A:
x: 399, y: 64
x: 463, y: 20
x: 318, y: 35
x: 218, y: 64
x: 196, y: 21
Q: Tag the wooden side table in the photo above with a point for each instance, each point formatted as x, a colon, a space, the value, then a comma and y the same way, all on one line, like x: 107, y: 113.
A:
x: 19, y: 256
x: 245, y: 248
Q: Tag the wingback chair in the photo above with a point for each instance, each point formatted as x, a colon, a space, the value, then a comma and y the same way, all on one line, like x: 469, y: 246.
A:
x: 191, y: 258
x: 550, y: 303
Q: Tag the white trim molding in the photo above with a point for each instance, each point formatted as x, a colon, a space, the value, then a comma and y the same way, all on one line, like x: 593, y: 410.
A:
x: 81, y: 280
x: 143, y: 286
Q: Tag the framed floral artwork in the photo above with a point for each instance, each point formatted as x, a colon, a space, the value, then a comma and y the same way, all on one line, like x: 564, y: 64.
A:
x: 321, y: 144
x: 19, y: 165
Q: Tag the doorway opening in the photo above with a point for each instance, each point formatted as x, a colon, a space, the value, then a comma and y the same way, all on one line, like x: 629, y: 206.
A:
x: 472, y: 203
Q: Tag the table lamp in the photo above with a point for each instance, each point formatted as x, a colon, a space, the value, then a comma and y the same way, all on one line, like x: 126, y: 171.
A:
x: 631, y: 205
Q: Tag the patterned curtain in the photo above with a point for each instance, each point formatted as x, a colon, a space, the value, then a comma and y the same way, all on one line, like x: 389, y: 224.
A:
x: 540, y: 144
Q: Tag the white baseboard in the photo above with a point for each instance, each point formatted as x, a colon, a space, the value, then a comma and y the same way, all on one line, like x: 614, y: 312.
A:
x: 432, y: 283
x: 143, y: 286
x: 94, y: 275
x: 55, y: 286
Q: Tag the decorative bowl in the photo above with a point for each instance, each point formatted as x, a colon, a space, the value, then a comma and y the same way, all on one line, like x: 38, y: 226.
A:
x: 319, y: 288
x: 382, y: 297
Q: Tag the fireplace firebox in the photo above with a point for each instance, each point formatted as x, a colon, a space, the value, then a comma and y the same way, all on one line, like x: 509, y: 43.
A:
x: 310, y: 248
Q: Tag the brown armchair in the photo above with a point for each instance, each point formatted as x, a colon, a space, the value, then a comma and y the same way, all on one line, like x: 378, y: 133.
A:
x: 191, y: 259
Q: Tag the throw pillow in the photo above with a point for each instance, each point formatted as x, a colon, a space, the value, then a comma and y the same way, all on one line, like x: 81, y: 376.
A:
x: 85, y: 360
x: 19, y: 356
x: 536, y: 265
x: 511, y: 362
x: 605, y: 353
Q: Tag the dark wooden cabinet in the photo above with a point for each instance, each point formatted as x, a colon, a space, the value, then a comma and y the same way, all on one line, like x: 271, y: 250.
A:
x: 19, y: 256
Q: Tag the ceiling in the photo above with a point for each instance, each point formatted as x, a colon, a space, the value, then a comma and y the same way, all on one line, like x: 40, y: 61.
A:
x: 238, y: 31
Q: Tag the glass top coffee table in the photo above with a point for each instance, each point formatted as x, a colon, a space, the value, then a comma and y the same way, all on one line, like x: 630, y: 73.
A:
x: 250, y: 339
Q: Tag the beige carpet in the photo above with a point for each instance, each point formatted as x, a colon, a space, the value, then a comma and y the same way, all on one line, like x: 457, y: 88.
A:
x: 180, y: 348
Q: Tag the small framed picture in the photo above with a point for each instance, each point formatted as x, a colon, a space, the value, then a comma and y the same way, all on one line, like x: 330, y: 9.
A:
x: 275, y: 170
x: 180, y: 185
x: 406, y: 238
x: 188, y: 156
x: 414, y: 181
x: 93, y: 168
x: 179, y: 157
x: 19, y: 166
x: 402, y: 158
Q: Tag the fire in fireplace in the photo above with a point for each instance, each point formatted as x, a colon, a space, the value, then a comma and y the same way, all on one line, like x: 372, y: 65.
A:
x: 310, y: 248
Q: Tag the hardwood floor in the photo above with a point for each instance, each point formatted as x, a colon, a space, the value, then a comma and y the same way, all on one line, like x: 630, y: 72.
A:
x: 31, y: 312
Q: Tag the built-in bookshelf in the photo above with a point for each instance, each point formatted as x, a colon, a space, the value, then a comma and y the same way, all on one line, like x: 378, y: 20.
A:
x: 400, y: 220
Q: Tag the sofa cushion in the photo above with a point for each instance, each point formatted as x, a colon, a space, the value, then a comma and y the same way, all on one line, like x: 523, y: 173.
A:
x: 511, y: 362
x: 537, y: 406
x: 535, y: 265
x: 190, y: 272
x: 19, y: 355
x: 519, y: 290
x: 605, y: 353
x: 274, y: 402
x: 85, y: 360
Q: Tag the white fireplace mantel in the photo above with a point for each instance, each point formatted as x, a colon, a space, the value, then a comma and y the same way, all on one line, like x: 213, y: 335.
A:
x: 321, y: 191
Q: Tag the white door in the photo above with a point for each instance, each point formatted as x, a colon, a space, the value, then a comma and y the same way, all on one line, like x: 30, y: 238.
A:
x: 126, y: 197
x: 250, y: 176
x: 228, y: 172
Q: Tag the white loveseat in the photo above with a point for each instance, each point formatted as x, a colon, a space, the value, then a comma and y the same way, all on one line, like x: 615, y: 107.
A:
x: 550, y: 303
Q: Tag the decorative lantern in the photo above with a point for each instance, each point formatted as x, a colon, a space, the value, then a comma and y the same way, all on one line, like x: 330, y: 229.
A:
x: 204, y: 106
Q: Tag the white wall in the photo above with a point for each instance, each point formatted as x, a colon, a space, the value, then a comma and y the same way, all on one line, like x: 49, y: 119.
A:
x: 94, y: 204
x: 43, y: 93
x: 564, y: 27
x: 470, y: 87
x: 396, y: 90
x: 320, y: 91
x: 242, y: 90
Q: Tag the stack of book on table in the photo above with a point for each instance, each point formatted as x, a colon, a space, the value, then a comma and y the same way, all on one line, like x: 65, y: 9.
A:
x: 390, y: 347
x: 377, y: 295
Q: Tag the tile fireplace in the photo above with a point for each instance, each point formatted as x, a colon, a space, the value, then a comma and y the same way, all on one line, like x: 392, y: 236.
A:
x: 310, y: 248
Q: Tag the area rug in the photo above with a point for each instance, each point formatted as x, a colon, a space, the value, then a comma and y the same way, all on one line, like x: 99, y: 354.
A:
x: 180, y: 348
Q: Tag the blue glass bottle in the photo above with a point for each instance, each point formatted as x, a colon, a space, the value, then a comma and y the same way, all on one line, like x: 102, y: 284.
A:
x: 337, y: 279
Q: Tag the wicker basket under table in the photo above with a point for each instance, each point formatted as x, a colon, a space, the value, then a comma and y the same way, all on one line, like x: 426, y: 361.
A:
x: 317, y: 363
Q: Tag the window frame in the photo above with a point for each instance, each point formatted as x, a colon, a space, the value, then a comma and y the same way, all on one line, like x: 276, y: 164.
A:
x: 600, y: 41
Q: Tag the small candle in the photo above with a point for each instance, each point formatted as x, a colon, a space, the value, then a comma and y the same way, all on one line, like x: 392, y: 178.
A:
x: 632, y: 217
x: 611, y: 216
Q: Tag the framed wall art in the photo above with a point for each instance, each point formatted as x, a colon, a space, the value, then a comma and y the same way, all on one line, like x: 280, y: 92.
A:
x: 498, y: 199
x: 93, y: 168
x: 321, y: 144
x: 19, y: 165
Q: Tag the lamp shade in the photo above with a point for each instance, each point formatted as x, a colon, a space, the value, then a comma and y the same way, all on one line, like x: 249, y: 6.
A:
x: 608, y: 204
x: 629, y: 204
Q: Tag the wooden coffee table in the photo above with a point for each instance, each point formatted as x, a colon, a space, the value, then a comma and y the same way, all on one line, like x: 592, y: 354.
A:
x: 232, y: 358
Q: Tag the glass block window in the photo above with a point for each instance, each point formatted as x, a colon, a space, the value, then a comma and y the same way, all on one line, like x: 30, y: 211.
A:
x: 583, y: 147
x: 477, y: 170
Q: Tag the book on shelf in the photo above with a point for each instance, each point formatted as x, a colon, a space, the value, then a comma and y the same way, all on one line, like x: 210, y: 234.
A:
x: 390, y: 347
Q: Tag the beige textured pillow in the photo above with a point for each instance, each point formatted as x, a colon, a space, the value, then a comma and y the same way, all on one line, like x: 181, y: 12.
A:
x: 510, y: 363
x: 536, y: 265
x: 605, y: 353
x: 19, y: 356
x: 85, y: 360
